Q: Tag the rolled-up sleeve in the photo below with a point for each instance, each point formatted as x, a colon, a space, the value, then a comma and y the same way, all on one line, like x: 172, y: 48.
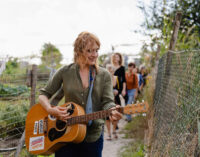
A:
x: 53, y: 84
x: 107, y: 96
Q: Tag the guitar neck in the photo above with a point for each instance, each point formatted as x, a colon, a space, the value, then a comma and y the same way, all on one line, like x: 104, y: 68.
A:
x: 129, y: 109
x: 91, y: 116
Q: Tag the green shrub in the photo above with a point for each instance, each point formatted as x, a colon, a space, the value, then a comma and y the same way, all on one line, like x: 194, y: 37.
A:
x: 12, y: 120
x: 6, y: 90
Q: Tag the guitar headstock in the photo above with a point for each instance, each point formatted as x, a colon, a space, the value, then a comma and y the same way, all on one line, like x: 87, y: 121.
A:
x: 139, y: 107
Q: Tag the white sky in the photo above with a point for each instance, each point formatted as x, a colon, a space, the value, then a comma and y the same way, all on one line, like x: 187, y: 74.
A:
x: 25, y: 25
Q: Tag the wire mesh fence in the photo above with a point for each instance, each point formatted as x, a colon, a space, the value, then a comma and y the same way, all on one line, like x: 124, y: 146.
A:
x: 14, y: 105
x: 177, y: 105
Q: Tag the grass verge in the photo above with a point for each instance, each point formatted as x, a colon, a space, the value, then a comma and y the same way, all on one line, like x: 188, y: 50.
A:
x: 134, y: 130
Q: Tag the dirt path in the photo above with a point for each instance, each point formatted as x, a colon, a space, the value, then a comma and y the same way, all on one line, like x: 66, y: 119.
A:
x: 113, y: 147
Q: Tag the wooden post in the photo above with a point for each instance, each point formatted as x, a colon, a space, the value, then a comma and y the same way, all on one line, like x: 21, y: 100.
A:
x: 173, y: 41
x: 28, y: 78
x: 20, y: 145
x: 175, y: 31
x: 33, y: 82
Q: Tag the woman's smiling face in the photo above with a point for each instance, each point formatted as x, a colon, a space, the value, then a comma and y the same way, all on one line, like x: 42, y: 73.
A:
x: 90, y: 53
x: 116, y: 59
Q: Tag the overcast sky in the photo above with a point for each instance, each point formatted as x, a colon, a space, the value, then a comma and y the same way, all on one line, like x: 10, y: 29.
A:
x: 25, y: 25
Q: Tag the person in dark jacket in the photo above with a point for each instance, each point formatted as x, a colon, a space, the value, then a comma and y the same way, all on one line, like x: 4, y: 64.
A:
x: 117, y: 62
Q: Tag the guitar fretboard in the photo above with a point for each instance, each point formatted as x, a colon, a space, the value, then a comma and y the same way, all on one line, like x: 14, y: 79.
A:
x: 91, y: 116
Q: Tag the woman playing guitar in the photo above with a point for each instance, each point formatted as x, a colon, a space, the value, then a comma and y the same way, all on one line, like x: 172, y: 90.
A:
x: 76, y: 80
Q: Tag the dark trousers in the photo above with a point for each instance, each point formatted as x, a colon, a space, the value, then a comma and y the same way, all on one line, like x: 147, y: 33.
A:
x: 83, y: 149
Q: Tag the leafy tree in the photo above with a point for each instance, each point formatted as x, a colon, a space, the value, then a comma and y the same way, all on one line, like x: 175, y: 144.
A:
x: 190, y: 17
x: 11, y: 66
x: 51, y: 55
x: 158, y: 24
x: 161, y: 12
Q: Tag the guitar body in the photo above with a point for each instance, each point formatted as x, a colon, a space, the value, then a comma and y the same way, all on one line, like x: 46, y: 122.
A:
x: 44, y: 134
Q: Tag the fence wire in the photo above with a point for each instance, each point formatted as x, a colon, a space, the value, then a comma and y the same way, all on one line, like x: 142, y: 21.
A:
x: 14, y: 106
x: 177, y: 105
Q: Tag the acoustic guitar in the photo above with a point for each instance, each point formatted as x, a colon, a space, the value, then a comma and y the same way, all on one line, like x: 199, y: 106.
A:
x: 44, y: 134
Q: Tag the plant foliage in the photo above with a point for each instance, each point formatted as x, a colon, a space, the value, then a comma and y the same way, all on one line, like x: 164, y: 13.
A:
x: 6, y: 90
x: 159, y: 22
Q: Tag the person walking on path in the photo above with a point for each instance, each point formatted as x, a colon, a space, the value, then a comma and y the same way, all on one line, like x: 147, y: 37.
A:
x: 76, y: 81
x: 132, y: 86
x: 140, y: 79
x: 117, y: 62
x: 115, y: 83
x: 144, y: 77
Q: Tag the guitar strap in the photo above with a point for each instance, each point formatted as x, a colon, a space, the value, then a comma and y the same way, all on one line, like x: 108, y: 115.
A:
x: 89, y: 99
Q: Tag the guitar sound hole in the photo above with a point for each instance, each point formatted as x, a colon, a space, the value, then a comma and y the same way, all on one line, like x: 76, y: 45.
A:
x: 54, y: 134
x: 60, y: 124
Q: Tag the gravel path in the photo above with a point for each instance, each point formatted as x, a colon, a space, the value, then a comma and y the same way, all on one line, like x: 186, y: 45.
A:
x: 113, y: 147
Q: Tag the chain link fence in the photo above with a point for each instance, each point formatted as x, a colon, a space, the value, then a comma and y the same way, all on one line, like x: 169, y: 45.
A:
x: 177, y: 106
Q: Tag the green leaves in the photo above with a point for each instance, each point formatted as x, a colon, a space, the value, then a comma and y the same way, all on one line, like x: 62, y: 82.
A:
x: 11, y: 66
x: 7, y: 91
x: 51, y: 55
x: 159, y: 22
